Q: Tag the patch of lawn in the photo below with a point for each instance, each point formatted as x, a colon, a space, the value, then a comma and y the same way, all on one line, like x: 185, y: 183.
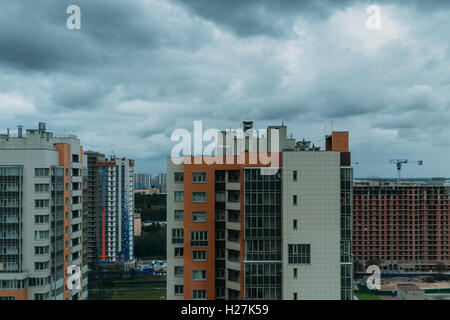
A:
x: 152, y: 292
x: 367, y: 296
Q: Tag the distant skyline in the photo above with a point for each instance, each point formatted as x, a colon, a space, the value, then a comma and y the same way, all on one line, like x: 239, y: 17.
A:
x: 139, y: 69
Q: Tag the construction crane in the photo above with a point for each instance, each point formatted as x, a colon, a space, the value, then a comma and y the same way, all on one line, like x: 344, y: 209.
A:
x: 398, y: 162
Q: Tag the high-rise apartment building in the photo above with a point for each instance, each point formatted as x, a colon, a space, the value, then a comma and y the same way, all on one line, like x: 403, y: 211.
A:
x: 42, y: 217
x: 92, y: 197
x: 162, y: 182
x: 401, y: 227
x: 116, y: 210
x: 142, y: 181
x: 241, y: 227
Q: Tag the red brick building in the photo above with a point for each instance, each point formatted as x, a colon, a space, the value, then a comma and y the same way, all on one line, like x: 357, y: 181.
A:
x: 401, y: 227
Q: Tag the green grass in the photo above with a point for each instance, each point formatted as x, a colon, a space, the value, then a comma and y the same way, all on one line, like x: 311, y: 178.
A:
x: 151, y: 292
x: 367, y: 296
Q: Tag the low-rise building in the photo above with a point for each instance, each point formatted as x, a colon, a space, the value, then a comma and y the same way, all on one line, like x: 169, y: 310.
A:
x: 410, y: 292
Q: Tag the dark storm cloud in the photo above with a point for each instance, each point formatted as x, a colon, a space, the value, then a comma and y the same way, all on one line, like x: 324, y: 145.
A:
x: 39, y: 39
x: 138, y: 69
x: 275, y: 17
x: 256, y: 17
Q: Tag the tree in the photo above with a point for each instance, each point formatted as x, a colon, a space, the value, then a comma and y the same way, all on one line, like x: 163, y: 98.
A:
x: 376, y: 262
x: 441, y: 268
x: 132, y: 273
x: 357, y: 266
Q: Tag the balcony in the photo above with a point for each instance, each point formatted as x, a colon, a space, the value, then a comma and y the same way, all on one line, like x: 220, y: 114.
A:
x: 233, y: 265
x: 236, y: 186
x: 234, y: 286
x: 76, y: 179
x: 233, y: 226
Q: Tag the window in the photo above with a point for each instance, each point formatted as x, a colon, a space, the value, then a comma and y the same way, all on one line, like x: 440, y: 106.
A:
x: 220, y: 273
x: 198, y: 177
x: 41, y: 188
x: 220, y: 196
x: 179, y: 290
x: 199, y: 294
x: 220, y: 215
x: 233, y: 255
x: 11, y: 298
x: 179, y: 177
x: 233, y: 215
x: 41, y: 219
x: 177, y: 235
x: 42, y: 203
x: 199, y: 196
x: 179, y: 196
x: 295, y: 224
x: 179, y: 252
x: 233, y: 275
x: 199, y: 238
x: 199, y: 216
x: 220, y: 176
x: 295, y: 273
x: 234, y: 196
x: 38, y: 266
x: 220, y: 254
x: 220, y: 292
x: 234, y: 235
x: 234, y: 176
x: 41, y: 296
x: 295, y: 295
x: 198, y: 275
x: 179, y: 215
x: 198, y: 255
x: 299, y: 253
x: 41, y: 235
x: 42, y: 172
x: 179, y: 271
x: 41, y: 250
x: 295, y: 200
x: 295, y: 175
x: 220, y: 234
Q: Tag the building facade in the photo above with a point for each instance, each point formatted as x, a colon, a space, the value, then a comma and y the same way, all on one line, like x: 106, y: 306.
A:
x: 42, y: 217
x: 243, y: 229
x: 401, y: 227
x: 92, y: 198
x: 115, y: 210
x: 142, y: 181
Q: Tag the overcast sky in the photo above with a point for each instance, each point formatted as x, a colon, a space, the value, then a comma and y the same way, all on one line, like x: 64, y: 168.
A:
x: 138, y: 69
